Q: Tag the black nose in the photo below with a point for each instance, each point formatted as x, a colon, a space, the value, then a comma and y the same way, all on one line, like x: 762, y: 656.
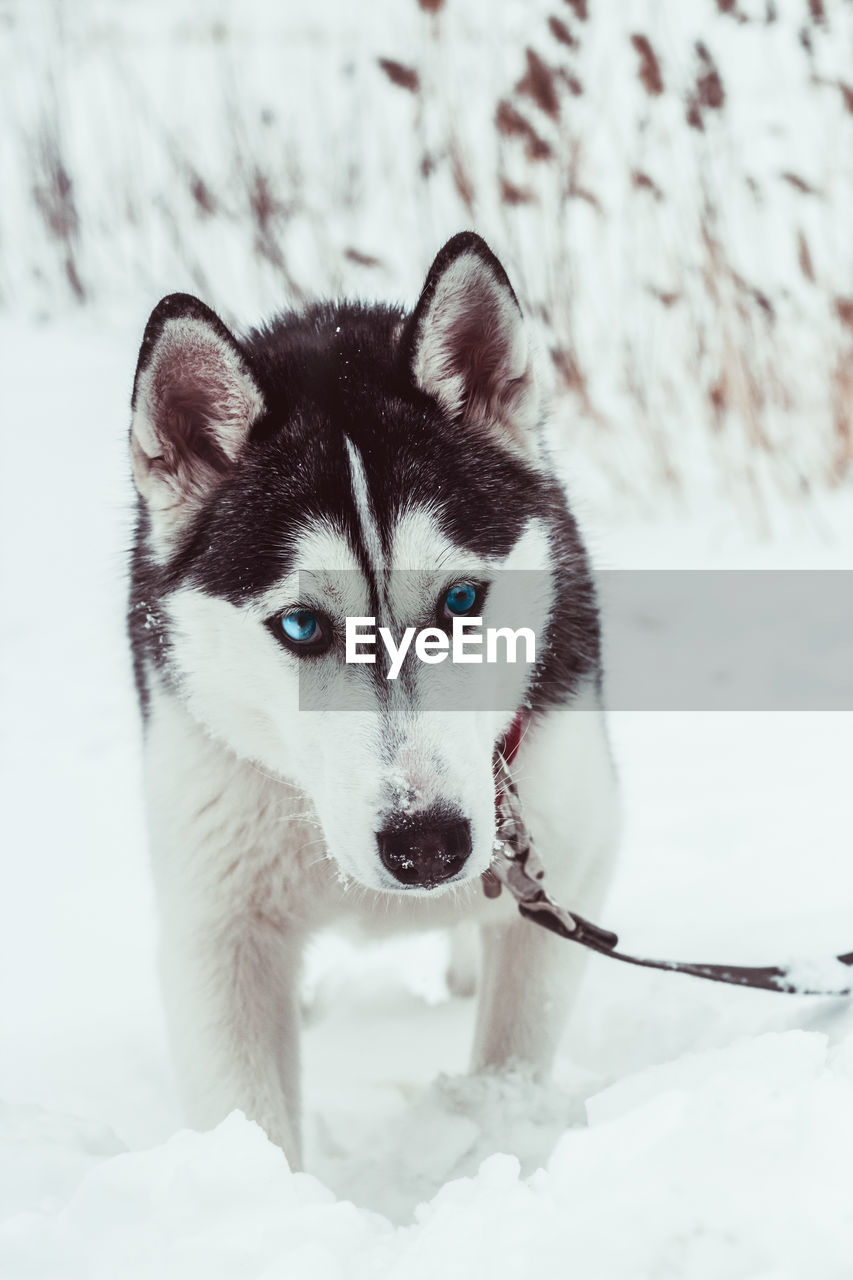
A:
x: 424, y: 851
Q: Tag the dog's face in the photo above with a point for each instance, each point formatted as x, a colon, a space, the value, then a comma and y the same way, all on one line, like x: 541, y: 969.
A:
x: 351, y: 464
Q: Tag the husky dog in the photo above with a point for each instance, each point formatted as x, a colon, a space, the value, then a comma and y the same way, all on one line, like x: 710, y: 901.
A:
x: 369, y: 446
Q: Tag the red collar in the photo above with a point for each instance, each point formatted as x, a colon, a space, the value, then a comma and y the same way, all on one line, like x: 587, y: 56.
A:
x: 511, y: 741
x: 505, y: 753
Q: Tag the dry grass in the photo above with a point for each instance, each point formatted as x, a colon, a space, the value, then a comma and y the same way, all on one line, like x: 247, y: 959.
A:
x: 543, y: 183
x: 52, y: 190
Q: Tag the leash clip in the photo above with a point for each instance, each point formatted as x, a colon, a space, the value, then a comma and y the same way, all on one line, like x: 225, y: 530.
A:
x: 517, y: 866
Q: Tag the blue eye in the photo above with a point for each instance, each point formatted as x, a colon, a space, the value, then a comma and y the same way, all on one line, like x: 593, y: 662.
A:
x: 460, y: 599
x: 306, y: 632
x: 301, y: 626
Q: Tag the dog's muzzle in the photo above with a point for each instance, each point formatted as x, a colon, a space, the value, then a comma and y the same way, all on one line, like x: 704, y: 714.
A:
x: 425, y: 851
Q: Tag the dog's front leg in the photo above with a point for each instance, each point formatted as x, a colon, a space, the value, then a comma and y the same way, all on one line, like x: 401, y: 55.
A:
x: 529, y: 977
x: 231, y: 995
x: 567, y: 792
x: 224, y: 869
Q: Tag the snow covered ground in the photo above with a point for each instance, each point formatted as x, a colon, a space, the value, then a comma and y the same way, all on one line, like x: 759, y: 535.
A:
x: 691, y: 1131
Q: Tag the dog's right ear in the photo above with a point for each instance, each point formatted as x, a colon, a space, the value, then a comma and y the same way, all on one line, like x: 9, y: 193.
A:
x: 194, y: 401
x: 468, y: 345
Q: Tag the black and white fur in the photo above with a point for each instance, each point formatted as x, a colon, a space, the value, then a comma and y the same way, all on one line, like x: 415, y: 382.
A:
x: 366, y: 439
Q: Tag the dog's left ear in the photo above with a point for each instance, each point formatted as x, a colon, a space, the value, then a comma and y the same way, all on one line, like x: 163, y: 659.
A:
x: 194, y: 401
x: 468, y: 343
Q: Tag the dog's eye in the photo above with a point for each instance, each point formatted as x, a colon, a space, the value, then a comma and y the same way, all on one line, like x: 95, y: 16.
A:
x: 300, y: 625
x: 461, y: 599
x: 302, y: 630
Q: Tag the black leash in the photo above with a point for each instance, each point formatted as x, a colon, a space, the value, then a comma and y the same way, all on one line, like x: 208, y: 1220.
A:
x: 517, y: 867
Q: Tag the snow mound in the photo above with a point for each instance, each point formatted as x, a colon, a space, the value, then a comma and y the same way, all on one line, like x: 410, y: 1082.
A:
x: 731, y: 1163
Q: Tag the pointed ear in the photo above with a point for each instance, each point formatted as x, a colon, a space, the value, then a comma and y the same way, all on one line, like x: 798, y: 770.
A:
x: 194, y: 401
x: 468, y: 344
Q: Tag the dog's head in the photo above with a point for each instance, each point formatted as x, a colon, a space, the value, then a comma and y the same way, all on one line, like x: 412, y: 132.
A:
x: 356, y: 462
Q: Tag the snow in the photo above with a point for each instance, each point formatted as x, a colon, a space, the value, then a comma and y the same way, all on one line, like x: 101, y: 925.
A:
x: 690, y: 1130
x: 817, y: 973
x: 729, y: 1163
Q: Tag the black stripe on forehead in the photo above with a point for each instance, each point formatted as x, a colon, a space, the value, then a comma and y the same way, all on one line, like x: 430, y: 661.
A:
x: 481, y: 495
x: 369, y: 544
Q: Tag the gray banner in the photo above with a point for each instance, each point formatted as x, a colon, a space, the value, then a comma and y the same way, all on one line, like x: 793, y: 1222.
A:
x: 728, y: 640
x: 672, y: 640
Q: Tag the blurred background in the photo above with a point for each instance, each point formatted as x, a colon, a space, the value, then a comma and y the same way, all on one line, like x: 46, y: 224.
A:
x: 669, y: 183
